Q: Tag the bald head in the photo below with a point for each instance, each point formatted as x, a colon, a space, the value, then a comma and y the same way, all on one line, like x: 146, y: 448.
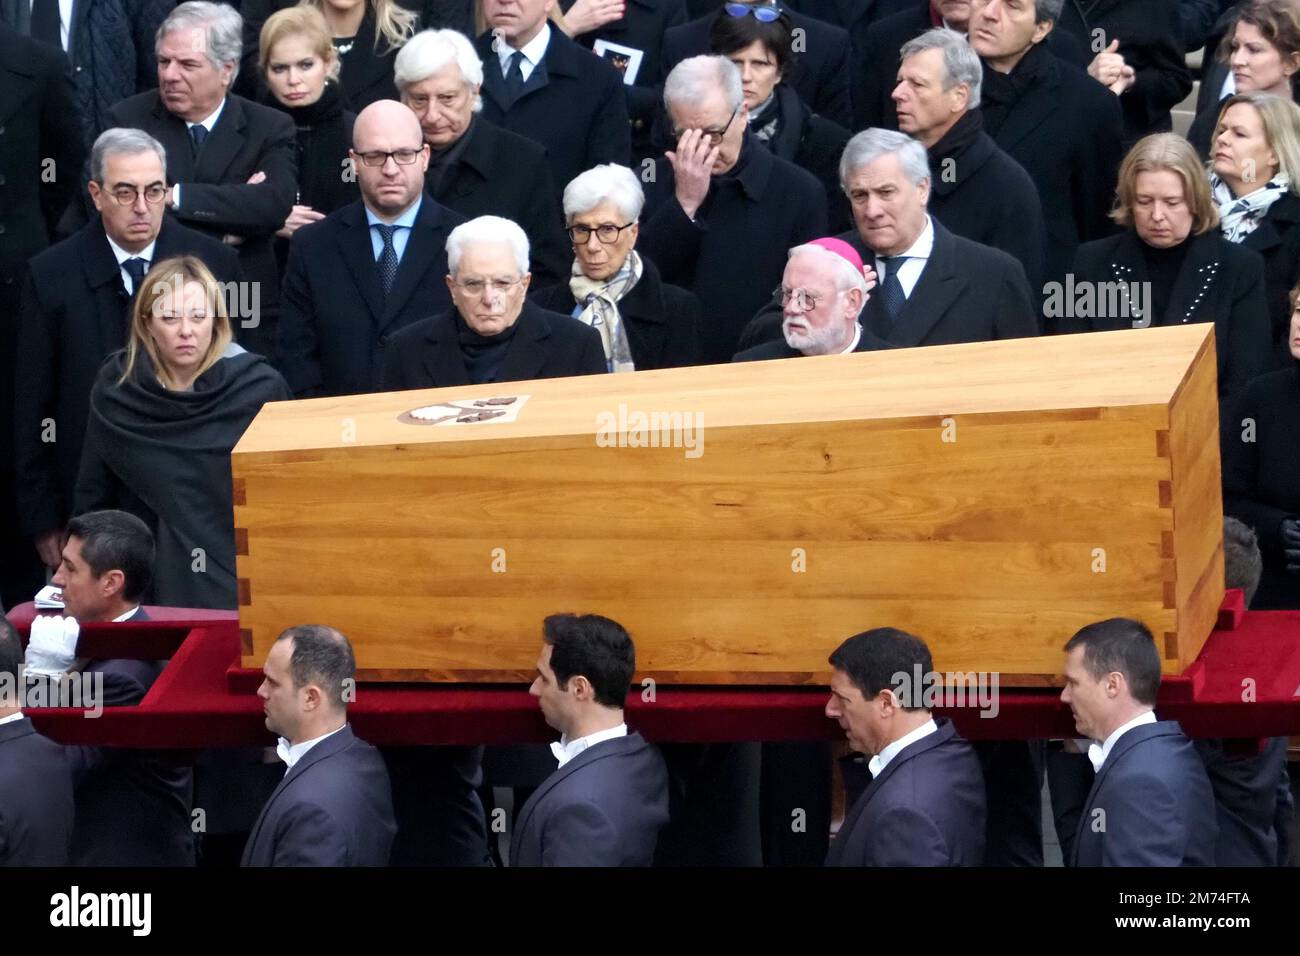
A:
x: 390, y: 158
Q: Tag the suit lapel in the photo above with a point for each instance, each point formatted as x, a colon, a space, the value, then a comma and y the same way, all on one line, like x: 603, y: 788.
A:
x: 104, y: 276
x: 1200, y: 270
x: 174, y: 135
x: 494, y: 82
x: 938, y: 288
x: 358, y: 254
x: 222, y: 145
x: 326, y: 748
x: 17, y: 86
x: 422, y: 248
x: 441, y: 354
x: 526, y: 355
x: 1122, y: 746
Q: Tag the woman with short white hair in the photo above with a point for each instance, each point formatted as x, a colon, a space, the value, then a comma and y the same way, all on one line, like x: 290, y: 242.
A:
x: 643, y: 322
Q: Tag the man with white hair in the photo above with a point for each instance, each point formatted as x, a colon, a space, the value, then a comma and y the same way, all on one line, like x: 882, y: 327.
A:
x: 822, y: 293
x: 231, y: 163
x: 976, y: 190
x: 492, y: 333
x: 476, y: 167
x: 721, y: 209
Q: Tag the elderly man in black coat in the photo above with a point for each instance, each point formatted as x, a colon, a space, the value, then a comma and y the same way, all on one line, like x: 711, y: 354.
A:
x: 334, y: 806
x: 231, y: 162
x: 75, y: 311
x: 722, y: 210
x: 492, y: 333
x: 821, y: 69
x: 475, y: 167
x: 1062, y: 126
x: 542, y: 85
x: 368, y: 269
x: 38, y: 136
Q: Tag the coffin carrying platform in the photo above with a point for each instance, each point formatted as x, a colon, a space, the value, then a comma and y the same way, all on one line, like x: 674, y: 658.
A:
x: 742, y: 520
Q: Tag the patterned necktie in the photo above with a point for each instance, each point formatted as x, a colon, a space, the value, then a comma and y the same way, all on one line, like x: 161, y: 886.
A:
x: 199, y: 134
x: 892, y: 294
x: 515, y: 76
x: 135, y: 267
x: 387, y: 257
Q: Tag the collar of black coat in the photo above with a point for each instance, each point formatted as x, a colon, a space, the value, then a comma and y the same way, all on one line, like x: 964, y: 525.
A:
x: 945, y: 732
x: 474, y: 149
x: 1037, y: 64
x: 327, y: 107
x: 16, y: 728
x: 753, y: 169
x: 523, y: 360
x: 968, y: 149
x: 334, y: 743
x: 643, y: 302
x: 101, y: 265
x: 233, y: 115
x: 563, y: 57
x: 794, y: 113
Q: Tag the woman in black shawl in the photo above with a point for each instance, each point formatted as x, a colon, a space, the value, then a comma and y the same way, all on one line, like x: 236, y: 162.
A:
x: 164, y: 416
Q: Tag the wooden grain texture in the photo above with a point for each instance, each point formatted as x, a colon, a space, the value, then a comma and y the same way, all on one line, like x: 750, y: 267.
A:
x: 992, y: 498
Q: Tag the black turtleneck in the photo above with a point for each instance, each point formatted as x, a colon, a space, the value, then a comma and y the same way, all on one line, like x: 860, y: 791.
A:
x: 1163, y: 266
x: 1002, y: 91
x: 483, y: 354
x: 441, y: 160
x: 324, y: 133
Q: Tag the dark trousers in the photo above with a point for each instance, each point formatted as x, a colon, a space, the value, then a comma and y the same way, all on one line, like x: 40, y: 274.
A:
x: 440, y: 819
x: 1013, y: 788
x: 795, y: 803
x: 713, y: 806
x: 1069, y: 780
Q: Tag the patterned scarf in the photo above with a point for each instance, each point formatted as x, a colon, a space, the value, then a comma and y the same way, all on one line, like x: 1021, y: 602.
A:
x: 600, y: 308
x: 1239, y: 216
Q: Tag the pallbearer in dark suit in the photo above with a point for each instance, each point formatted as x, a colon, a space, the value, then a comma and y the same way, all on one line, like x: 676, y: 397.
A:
x: 362, y: 273
x: 1150, y: 803
x: 606, y: 802
x: 492, y: 333
x: 334, y: 806
x: 925, y: 805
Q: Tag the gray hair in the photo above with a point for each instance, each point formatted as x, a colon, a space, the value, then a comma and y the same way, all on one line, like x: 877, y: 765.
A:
x: 429, y: 51
x: 961, y: 64
x: 846, y: 277
x: 692, y: 80
x: 612, y: 182
x: 1045, y: 10
x: 869, y: 145
x: 487, y: 229
x: 120, y: 141
x: 222, y: 30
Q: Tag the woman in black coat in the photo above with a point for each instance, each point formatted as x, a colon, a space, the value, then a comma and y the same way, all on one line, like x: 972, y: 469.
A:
x: 1261, y: 472
x: 300, y: 68
x: 778, y: 118
x: 643, y: 322
x: 1255, y: 181
x: 1173, y: 264
x: 164, y: 416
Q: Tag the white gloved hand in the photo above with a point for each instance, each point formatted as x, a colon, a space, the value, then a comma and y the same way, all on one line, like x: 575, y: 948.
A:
x: 53, y: 646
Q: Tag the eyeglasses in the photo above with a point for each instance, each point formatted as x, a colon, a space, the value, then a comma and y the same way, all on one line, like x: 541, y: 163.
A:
x: 476, y: 287
x: 606, y: 232
x: 806, y: 301
x: 763, y: 12
x: 153, y: 195
x: 714, y: 136
x: 402, y: 157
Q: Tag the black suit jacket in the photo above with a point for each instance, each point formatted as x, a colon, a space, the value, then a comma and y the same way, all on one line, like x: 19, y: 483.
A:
x: 75, y: 313
x: 820, y: 72
x: 545, y: 345
x: 337, y: 322
x: 36, y: 804
x: 215, y: 196
x: 1208, y: 105
x: 966, y: 293
x: 1277, y: 240
x: 1150, y: 804
x: 334, y: 808
x: 499, y: 173
x: 1219, y: 282
x: 572, y: 104
x: 927, y: 808
x: 662, y: 321
x: 605, y: 807
x: 1246, y: 791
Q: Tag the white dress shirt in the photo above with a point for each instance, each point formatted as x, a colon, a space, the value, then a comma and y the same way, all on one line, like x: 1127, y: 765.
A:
x: 208, y: 123
x: 910, y: 271
x: 127, y: 616
x: 533, y: 52
x: 1097, y: 753
x: 565, y: 749
x: 292, y: 753
x: 12, y: 718
x: 880, y: 761
x: 1229, y: 86
x: 121, y: 255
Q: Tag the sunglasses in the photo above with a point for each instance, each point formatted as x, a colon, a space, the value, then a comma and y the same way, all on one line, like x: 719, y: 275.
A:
x: 763, y: 13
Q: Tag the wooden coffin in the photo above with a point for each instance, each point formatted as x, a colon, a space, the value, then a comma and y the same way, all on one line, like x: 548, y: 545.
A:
x: 991, y: 498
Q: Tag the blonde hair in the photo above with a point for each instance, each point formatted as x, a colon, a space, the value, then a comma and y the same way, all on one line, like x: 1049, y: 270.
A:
x: 1169, y: 151
x: 1281, y: 119
x: 173, y: 275
x: 300, y: 21
x: 394, y: 24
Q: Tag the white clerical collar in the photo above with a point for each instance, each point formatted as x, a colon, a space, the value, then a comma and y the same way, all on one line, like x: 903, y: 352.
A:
x: 11, y: 719
x: 565, y: 749
x: 881, y: 760
x: 1097, y: 753
x: 210, y: 120
x: 292, y: 753
x: 127, y: 616
x: 121, y: 255
x: 533, y: 50
x: 857, y: 337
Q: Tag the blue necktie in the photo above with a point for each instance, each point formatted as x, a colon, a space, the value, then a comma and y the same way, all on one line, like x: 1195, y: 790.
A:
x: 892, y: 294
x: 387, y: 257
x: 135, y: 267
x: 515, y: 76
x: 198, y: 133
x: 47, y: 23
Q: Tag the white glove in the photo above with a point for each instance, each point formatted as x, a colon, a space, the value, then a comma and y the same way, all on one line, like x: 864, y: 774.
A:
x: 52, y: 649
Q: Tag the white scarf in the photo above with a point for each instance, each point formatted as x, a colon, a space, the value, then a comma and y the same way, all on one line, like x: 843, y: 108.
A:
x: 1239, y: 216
x: 600, y: 308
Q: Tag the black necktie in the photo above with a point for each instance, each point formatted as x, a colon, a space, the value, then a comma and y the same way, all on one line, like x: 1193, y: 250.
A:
x: 892, y: 294
x: 136, y: 267
x: 46, y: 23
x: 515, y: 76
x: 387, y: 257
x: 199, y: 134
